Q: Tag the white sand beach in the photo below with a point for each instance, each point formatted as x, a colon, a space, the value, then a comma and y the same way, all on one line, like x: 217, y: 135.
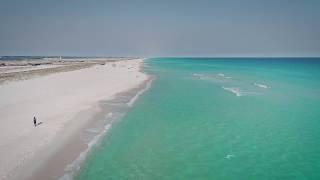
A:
x: 59, y: 101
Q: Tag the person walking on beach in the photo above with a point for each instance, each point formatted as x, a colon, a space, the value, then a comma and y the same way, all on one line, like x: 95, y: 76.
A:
x: 34, y: 121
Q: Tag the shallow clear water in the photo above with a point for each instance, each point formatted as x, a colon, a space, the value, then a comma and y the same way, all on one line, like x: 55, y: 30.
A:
x: 217, y: 119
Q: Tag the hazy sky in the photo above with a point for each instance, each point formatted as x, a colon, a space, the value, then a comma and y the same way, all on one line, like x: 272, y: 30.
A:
x: 160, y: 28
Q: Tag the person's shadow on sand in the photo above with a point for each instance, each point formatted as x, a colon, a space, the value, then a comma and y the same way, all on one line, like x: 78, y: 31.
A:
x: 39, y: 123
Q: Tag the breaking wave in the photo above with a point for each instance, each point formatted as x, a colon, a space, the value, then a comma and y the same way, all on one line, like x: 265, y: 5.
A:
x: 234, y: 90
x: 224, y: 76
x: 131, y: 102
x: 261, y: 85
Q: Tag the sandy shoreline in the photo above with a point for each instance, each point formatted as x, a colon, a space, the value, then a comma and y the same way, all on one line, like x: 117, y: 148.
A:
x: 68, y: 103
x: 66, y: 161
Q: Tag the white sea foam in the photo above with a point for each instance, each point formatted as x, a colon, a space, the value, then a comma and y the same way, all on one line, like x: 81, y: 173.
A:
x: 234, y: 90
x: 131, y: 102
x: 224, y: 76
x: 228, y: 156
x: 261, y: 85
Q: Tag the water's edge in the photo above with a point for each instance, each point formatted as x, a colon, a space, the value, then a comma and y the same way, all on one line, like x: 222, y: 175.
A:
x: 113, y: 110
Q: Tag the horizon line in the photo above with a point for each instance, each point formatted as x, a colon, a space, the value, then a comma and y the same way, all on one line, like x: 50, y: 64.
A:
x: 102, y: 56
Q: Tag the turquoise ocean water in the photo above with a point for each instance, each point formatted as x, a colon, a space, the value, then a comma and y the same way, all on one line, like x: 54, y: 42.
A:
x: 217, y: 118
